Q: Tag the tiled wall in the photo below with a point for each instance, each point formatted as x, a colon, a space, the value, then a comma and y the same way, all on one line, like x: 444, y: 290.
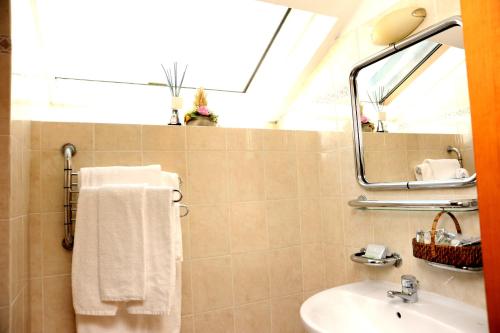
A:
x: 19, y: 198
x: 266, y: 211
x: 269, y: 224
x: 5, y: 64
x: 14, y: 195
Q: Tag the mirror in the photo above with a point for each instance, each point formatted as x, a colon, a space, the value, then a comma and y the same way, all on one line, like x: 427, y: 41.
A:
x: 411, y: 113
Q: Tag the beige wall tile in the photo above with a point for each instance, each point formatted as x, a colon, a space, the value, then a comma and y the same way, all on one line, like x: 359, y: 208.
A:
x: 279, y: 140
x: 206, y: 138
x: 35, y: 179
x: 58, y: 311
x: 117, y: 137
x: 329, y: 141
x: 313, y: 267
x: 172, y: 161
x: 250, y: 276
x: 285, y: 314
x: 16, y: 315
x: 253, y: 318
x: 187, y: 324
x: 36, y: 135
x: 285, y: 271
x: 55, y: 135
x: 4, y: 176
x: 311, y: 226
x: 244, y: 139
x: 207, y: 173
x: 56, y: 260
x: 335, y: 265
x: 187, y: 291
x: 329, y: 173
x: 35, y: 306
x: 249, y: 230
x: 212, y: 283
x: 308, y: 174
x: 170, y: 138
x: 4, y: 318
x: 308, y: 141
x: 284, y: 223
x: 221, y: 321
x: 280, y: 175
x: 117, y: 158
x: 35, y: 246
x: 209, y: 230
x: 331, y: 215
x: 4, y: 262
x: 358, y: 229
x: 246, y: 179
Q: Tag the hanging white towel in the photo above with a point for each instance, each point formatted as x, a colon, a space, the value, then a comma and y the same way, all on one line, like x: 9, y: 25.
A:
x: 85, y: 281
x: 122, y: 268
x: 124, y: 322
x: 98, y: 176
x: 160, y: 253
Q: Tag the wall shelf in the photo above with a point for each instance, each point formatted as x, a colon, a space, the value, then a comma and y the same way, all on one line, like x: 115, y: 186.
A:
x: 459, y: 205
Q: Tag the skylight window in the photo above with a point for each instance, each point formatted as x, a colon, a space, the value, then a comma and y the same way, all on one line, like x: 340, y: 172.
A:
x: 221, y: 41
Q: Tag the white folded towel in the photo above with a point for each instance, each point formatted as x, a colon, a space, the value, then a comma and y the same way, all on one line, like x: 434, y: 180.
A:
x: 121, y: 215
x: 98, y: 176
x: 423, y: 172
x: 440, y: 169
x: 443, y: 169
x: 160, y: 253
x: 85, y: 281
x: 462, y: 173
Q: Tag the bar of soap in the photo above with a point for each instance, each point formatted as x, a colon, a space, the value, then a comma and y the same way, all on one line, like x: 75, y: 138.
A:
x: 375, y: 251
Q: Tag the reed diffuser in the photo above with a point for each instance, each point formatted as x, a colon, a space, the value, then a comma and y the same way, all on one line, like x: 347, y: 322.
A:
x: 174, y: 82
x: 376, y: 98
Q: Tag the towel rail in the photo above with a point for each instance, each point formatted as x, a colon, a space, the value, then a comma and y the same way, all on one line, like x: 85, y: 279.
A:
x: 71, y: 199
x: 455, y: 205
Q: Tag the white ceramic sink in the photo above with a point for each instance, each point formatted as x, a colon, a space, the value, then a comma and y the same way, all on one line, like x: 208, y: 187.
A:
x: 365, y: 307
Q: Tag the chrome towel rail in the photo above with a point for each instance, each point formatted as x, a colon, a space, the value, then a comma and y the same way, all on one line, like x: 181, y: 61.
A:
x: 455, y: 205
x: 71, y: 196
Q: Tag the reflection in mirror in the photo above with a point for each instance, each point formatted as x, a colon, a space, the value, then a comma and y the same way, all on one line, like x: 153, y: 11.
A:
x: 415, y: 104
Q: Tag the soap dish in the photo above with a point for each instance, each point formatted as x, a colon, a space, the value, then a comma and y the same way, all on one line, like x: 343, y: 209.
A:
x: 393, y: 260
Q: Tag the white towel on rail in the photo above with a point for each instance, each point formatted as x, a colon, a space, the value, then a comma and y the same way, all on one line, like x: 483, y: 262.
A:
x: 97, y: 176
x: 124, y: 322
x: 121, y: 241
x: 159, y: 233
x: 85, y: 281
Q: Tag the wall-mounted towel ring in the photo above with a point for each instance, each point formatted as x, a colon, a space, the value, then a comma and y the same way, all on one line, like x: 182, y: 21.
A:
x: 186, y: 210
x: 180, y: 196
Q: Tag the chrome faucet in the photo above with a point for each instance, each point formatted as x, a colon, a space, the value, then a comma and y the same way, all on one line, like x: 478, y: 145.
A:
x: 408, y: 293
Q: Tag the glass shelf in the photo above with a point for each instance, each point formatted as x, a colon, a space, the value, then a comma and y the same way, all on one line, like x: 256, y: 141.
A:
x: 454, y: 268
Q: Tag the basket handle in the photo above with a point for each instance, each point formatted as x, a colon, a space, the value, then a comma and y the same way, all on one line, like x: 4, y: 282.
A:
x: 434, y: 226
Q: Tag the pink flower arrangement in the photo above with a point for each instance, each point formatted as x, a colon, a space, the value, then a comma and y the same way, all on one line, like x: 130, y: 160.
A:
x: 203, y: 110
x: 364, y: 119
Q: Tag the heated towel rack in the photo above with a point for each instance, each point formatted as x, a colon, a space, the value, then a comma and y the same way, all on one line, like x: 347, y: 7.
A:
x: 71, y: 196
x: 449, y: 205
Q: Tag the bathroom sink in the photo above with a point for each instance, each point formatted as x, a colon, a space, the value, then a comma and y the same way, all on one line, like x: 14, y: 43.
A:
x: 365, y: 307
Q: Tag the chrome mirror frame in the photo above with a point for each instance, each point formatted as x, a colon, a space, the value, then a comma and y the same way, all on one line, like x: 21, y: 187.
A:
x: 451, y: 22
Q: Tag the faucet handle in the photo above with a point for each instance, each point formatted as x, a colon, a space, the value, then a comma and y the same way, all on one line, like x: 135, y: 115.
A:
x: 409, y: 282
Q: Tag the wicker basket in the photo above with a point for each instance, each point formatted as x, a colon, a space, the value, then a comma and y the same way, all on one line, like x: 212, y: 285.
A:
x: 459, y: 256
